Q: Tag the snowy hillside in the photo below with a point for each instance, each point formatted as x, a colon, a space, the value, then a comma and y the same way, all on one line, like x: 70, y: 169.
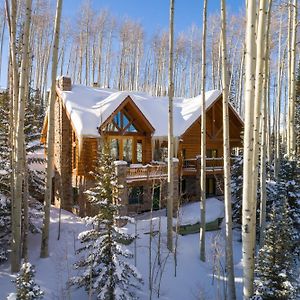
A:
x: 194, y: 280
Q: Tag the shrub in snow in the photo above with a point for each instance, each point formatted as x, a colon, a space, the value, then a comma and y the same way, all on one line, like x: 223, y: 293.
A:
x: 274, y: 269
x: 27, y: 289
x: 104, y: 266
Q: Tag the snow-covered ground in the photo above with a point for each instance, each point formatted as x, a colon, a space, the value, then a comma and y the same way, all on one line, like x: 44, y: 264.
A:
x: 194, y: 278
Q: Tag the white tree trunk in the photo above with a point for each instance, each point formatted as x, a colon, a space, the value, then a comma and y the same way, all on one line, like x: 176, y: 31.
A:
x: 50, y: 135
x: 17, y: 207
x: 226, y: 155
x: 292, y: 81
x: 170, y: 134
x: 278, y: 103
x: 203, y: 140
x: 263, y: 148
x: 248, y: 213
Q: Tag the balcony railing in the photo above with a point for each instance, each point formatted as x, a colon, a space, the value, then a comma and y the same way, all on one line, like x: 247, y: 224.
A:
x: 213, y: 165
x: 146, y: 172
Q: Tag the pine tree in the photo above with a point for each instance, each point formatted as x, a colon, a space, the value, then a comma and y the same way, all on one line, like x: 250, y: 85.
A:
x: 5, y: 172
x: 274, y: 262
x: 237, y: 188
x: 33, y: 127
x: 104, y: 265
x: 289, y: 186
x: 297, y: 115
x: 27, y: 289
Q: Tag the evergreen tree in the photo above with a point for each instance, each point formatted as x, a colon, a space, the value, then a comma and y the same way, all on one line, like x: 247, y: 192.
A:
x: 27, y: 289
x: 297, y: 114
x: 105, y: 268
x: 5, y: 171
x: 275, y: 279
x: 289, y: 186
x: 237, y: 188
x: 33, y: 127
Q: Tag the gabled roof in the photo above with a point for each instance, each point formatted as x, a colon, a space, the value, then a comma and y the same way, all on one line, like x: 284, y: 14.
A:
x: 90, y: 107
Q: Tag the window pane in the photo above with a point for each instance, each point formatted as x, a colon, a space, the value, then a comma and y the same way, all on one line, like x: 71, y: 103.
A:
x: 117, y: 119
x: 139, y: 151
x: 114, y: 149
x: 127, y: 150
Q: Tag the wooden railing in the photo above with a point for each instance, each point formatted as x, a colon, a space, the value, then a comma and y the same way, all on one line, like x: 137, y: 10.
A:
x: 213, y: 165
x: 147, y: 172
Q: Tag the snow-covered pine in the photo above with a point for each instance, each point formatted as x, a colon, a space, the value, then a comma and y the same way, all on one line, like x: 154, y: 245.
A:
x: 5, y: 175
x: 274, y: 267
x: 297, y: 114
x: 26, y: 287
x: 237, y: 188
x: 34, y: 116
x: 289, y: 185
x: 104, y: 267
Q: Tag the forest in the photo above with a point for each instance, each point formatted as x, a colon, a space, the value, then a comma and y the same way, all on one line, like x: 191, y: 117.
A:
x: 251, y: 55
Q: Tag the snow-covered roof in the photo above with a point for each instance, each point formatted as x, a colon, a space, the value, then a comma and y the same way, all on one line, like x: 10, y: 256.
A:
x: 90, y: 107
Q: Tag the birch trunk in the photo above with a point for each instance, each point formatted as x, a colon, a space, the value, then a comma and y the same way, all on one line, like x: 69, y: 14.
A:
x: 226, y: 155
x: 248, y: 209
x: 50, y: 135
x: 292, y: 84
x: 263, y: 147
x: 17, y: 207
x: 170, y: 133
x: 203, y: 140
x: 278, y: 102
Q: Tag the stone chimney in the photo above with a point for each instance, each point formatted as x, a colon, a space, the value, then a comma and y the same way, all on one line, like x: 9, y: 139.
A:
x: 64, y: 83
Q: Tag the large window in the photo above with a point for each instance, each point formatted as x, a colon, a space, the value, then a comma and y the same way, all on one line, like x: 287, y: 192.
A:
x: 125, y: 138
x: 126, y: 148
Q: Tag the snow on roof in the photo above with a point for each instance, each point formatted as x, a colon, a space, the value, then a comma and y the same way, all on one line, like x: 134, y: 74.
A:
x: 89, y: 108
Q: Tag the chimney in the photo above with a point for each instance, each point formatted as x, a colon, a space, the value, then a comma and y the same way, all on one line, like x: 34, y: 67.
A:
x: 64, y: 83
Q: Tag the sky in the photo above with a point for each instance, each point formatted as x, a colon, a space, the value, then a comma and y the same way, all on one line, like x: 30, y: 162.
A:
x: 152, y: 14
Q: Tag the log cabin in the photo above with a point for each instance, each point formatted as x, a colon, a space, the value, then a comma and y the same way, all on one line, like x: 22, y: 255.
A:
x: 135, y: 125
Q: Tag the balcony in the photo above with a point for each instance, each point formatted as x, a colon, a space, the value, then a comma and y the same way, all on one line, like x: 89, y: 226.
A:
x: 191, y: 167
x: 139, y: 172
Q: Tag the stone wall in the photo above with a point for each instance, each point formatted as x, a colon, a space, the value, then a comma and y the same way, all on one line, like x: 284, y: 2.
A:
x: 63, y: 193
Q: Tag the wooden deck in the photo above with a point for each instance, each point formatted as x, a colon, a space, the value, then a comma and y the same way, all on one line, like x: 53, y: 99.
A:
x: 146, y: 172
x: 190, y: 167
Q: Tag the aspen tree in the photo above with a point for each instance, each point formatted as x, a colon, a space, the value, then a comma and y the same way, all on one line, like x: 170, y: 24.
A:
x: 2, y: 31
x: 226, y: 155
x: 203, y: 140
x: 248, y: 209
x: 263, y: 130
x: 278, y: 102
x: 17, y: 206
x: 50, y: 135
x: 291, y: 142
x: 170, y: 133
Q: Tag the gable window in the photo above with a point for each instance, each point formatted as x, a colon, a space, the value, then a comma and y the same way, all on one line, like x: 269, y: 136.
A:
x: 121, y: 123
